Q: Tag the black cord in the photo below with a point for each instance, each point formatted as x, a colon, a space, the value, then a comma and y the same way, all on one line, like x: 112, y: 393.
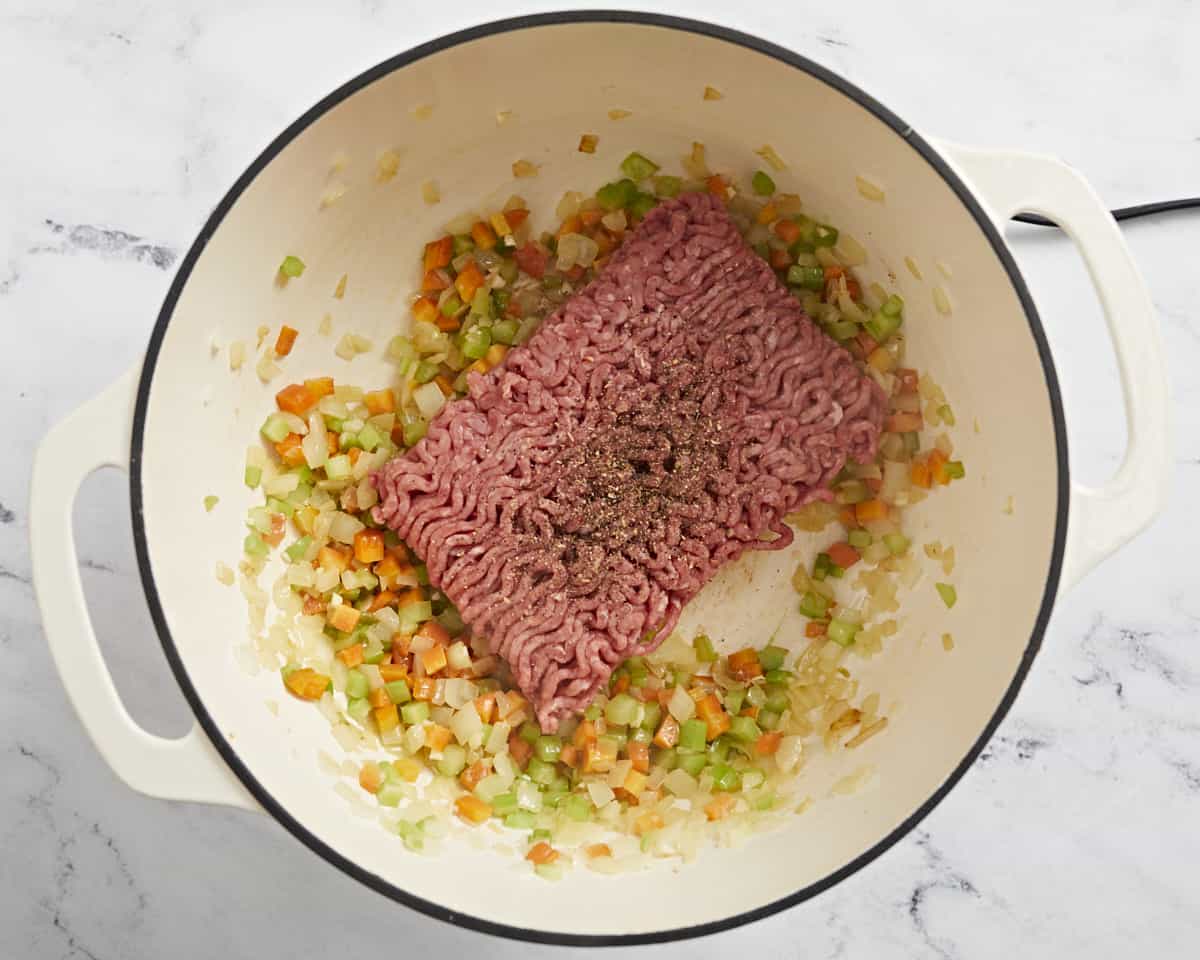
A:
x: 1123, y: 213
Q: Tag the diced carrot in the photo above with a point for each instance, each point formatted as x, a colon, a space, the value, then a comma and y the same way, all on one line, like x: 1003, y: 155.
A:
x: 483, y: 235
x: 595, y: 850
x: 709, y: 710
x: 485, y: 706
x: 937, y: 467
x: 434, y: 631
x: 307, y: 684
x: 854, y: 288
x: 766, y: 214
x: 519, y: 750
x: 445, y: 384
x: 768, y: 743
x: 589, y: 218
x: 468, y: 281
x: 391, y: 672
x: 401, y: 644
x: 331, y: 443
x: 313, y: 606
x: 333, y: 558
x: 426, y: 309
x: 290, y: 451
x: 509, y: 703
x: 532, y: 258
x: 433, y: 659
x: 515, y: 217
x: 472, y: 809
x: 387, y: 717
x: 639, y: 754
x: 744, y: 664
x: 380, y: 401
x: 407, y: 768
x: 870, y: 510
x: 668, y: 732
x: 439, y: 253
x: 787, y: 230
x: 378, y: 697
x: 368, y: 546
x: 599, y: 755
x: 781, y: 259
x: 274, y: 536
x: 496, y: 354
x: 920, y: 474
x: 500, y: 225
x: 370, y: 777
x: 575, y: 273
x: 815, y: 628
x: 906, y: 380
x: 832, y: 272
x: 541, y: 852
x: 584, y: 732
x: 320, y: 386
x: 471, y: 777
x: 719, y: 806
x: 435, y: 281
x: 873, y: 484
x: 846, y: 517
x: 343, y: 617
x: 573, y: 224
x: 286, y: 340
x: 843, y: 555
x: 717, y: 186
x: 351, y: 656
x: 385, y: 598
x: 903, y: 422
x: 621, y: 684
x: 437, y: 736
x: 410, y: 596
x: 569, y: 755
x: 646, y: 823
x: 750, y: 711
x: 423, y: 688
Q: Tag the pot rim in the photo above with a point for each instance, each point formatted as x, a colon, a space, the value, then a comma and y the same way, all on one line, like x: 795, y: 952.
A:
x: 684, y: 25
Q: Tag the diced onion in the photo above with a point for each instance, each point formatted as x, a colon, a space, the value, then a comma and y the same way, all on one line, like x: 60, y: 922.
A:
x: 429, y: 400
x: 343, y: 527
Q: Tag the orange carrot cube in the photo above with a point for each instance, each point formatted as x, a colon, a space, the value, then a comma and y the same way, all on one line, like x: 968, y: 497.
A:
x: 290, y: 451
x: 719, y: 806
x: 870, y: 510
x: 286, y: 340
x: 320, y: 386
x: 744, y: 664
x: 434, y: 659
x: 483, y: 235
x: 768, y: 743
x: 368, y: 546
x: 541, y: 852
x: 425, y: 309
x: 668, y: 732
x: 471, y: 809
x: 343, y: 617
x: 295, y: 398
x: 380, y: 401
x: 843, y: 555
x: 370, y: 777
x: 439, y: 253
x: 307, y: 684
x: 351, y: 656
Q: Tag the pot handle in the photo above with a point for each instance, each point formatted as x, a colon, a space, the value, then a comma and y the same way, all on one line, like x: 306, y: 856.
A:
x: 1103, y: 518
x: 97, y: 435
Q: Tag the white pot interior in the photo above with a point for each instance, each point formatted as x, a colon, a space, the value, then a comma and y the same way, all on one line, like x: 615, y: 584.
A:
x: 200, y: 417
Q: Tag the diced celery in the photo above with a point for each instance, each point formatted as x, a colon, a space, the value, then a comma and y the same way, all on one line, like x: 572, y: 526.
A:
x: 275, y: 428
x: 414, y: 614
x: 425, y: 371
x: 893, y: 306
x: 725, y: 777
x: 744, y: 729
x: 665, y: 186
x: 652, y: 715
x: 549, y: 871
x: 948, y: 594
x: 296, y: 551
x: 593, y: 713
x: 412, y: 834
x: 620, y: 709
x: 577, y: 807
x: 422, y: 575
x: 756, y: 696
x: 841, y: 632
x: 521, y: 820
x: 810, y: 278
x: 778, y: 676
x: 397, y: 691
x: 771, y: 657
x: 692, y: 763
x: 476, y: 342
x: 291, y: 266
x: 824, y: 235
x: 813, y: 605
x: 452, y: 760
x: 540, y: 772
x: 955, y: 470
x: 390, y: 794
x: 859, y: 539
x: 339, y: 467
x: 414, y: 429
x: 777, y: 698
x: 692, y: 735
x: 359, y: 709
x: 638, y: 167
x: 842, y: 330
x: 821, y: 567
x: 416, y: 711
x: 734, y: 697
x: 280, y: 506
x: 504, y: 804
x: 642, y: 204
x: 768, y: 719
x: 209, y: 502
x: 947, y: 414
x: 529, y: 732
x: 254, y: 546
x: 762, y: 184
x: 504, y: 331
x: 718, y: 750
x: 897, y: 543
x: 252, y: 476
x: 451, y: 305
x: 356, y: 684
x: 614, y: 196
x: 704, y: 649
x: 401, y: 350
x: 547, y: 748
x: 370, y: 437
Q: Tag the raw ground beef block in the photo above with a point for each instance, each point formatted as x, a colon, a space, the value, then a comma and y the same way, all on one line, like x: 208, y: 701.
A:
x: 658, y: 424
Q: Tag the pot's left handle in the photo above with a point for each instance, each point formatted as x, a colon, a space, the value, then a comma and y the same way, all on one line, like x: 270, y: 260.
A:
x: 97, y: 435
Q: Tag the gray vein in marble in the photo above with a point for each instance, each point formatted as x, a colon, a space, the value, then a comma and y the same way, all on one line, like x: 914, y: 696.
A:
x: 107, y: 242
x: 6, y: 515
x: 945, y: 879
x: 6, y: 574
x: 831, y: 41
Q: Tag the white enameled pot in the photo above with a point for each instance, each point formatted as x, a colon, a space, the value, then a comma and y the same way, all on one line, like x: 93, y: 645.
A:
x: 559, y: 75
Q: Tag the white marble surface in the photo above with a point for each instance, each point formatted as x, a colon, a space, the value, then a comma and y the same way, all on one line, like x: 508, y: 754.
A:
x: 1078, y: 832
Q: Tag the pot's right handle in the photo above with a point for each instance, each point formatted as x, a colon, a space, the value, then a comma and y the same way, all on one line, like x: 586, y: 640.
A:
x: 97, y: 435
x: 1104, y: 518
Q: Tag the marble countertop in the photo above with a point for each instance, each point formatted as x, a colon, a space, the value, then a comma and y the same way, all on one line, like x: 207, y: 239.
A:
x: 1077, y: 834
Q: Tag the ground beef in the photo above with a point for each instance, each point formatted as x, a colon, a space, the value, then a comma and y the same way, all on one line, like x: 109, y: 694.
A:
x: 658, y: 424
